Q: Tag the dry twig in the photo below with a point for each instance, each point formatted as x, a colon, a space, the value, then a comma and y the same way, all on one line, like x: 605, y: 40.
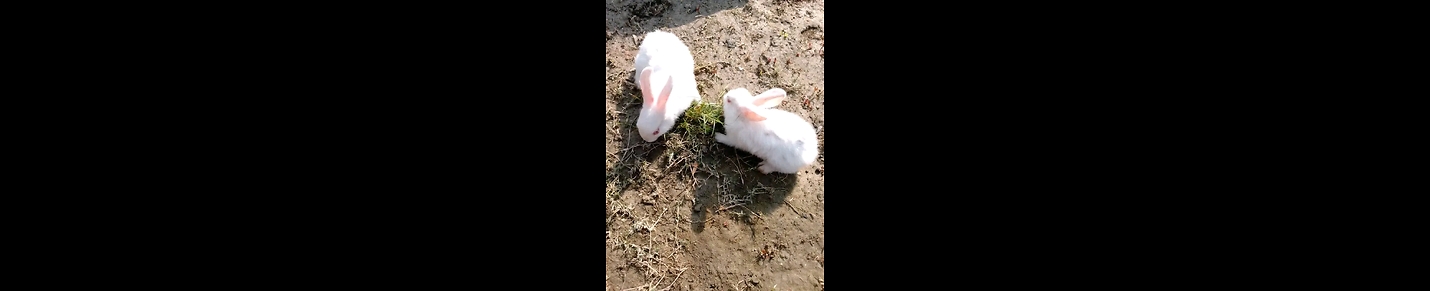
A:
x: 791, y: 207
x: 677, y: 279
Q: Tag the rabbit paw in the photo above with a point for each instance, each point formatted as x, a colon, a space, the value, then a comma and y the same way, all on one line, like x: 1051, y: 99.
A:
x: 720, y: 137
x: 766, y: 168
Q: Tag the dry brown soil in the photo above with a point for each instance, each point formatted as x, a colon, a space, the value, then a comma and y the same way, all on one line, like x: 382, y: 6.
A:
x: 687, y: 213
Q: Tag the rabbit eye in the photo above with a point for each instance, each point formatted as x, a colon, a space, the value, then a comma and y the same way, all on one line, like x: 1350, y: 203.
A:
x: 655, y: 132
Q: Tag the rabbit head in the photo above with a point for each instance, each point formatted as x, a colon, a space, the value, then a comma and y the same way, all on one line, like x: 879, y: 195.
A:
x: 739, y: 103
x: 653, y: 121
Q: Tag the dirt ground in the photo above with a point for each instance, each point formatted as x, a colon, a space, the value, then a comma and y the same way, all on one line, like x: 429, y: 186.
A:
x: 685, y: 212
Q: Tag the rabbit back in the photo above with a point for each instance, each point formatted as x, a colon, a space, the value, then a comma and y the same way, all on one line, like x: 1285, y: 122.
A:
x: 665, y: 52
x: 785, y: 141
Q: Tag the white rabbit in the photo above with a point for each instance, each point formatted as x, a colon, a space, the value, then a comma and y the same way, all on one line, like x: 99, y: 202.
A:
x: 665, y: 72
x: 785, y: 141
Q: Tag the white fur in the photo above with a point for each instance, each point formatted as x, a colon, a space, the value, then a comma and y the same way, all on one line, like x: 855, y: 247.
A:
x: 665, y: 72
x: 785, y: 141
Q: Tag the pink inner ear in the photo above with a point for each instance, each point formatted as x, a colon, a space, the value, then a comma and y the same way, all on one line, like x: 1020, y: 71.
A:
x: 770, y: 98
x: 769, y: 101
x: 665, y: 92
x: 762, y: 101
x: 644, y: 83
x: 752, y: 115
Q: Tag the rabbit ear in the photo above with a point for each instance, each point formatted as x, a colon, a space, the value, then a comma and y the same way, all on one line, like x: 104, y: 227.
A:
x: 752, y: 114
x: 665, y: 91
x: 770, y: 98
x: 643, y: 77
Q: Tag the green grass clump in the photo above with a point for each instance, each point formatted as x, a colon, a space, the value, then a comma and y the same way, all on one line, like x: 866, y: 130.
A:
x: 702, y: 117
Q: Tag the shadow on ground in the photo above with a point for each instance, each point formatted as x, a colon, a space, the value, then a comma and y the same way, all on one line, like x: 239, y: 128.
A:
x: 625, y: 18
x: 634, y: 152
x: 733, y: 185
